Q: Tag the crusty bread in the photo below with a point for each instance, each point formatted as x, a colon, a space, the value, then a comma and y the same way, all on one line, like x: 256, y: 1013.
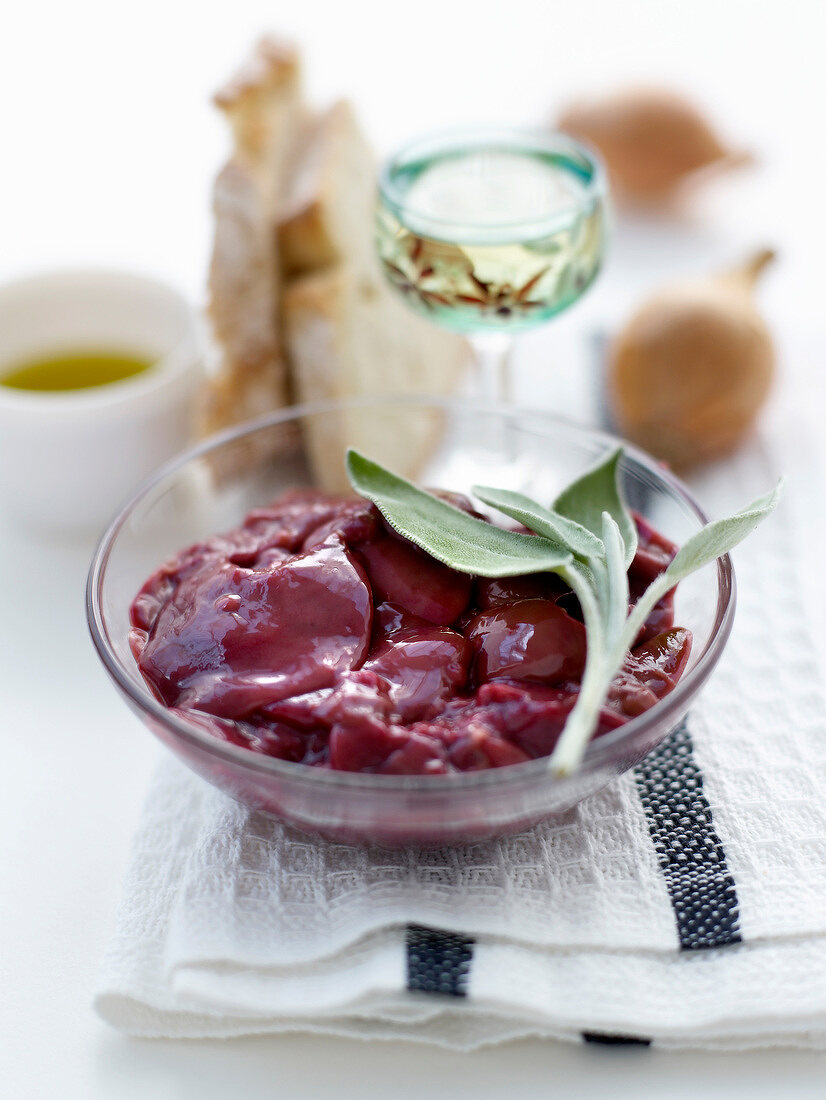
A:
x: 263, y: 105
x: 328, y: 204
x: 260, y: 102
x: 244, y: 289
x: 298, y: 306
x: 349, y: 334
x: 346, y: 332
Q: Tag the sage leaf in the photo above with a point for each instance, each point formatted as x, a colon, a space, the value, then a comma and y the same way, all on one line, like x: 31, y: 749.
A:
x: 589, y: 538
x: 602, y: 589
x: 615, y: 601
x: 552, y: 525
x: 450, y: 535
x: 720, y: 536
x: 708, y: 544
x: 595, y: 492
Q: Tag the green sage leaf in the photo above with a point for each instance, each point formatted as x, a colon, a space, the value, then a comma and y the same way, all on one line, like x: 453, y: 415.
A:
x: 589, y: 538
x: 615, y: 599
x: 708, y: 544
x: 720, y: 536
x: 463, y: 542
x: 598, y: 491
x: 552, y: 525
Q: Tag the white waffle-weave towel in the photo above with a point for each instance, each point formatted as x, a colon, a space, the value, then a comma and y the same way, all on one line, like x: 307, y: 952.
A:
x: 684, y: 906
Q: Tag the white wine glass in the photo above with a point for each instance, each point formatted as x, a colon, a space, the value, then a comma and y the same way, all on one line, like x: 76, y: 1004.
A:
x: 490, y: 233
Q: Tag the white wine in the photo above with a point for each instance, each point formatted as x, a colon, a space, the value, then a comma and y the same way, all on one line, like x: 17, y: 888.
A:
x: 492, y: 238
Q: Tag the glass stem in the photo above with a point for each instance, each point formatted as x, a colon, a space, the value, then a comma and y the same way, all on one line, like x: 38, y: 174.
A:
x: 492, y: 352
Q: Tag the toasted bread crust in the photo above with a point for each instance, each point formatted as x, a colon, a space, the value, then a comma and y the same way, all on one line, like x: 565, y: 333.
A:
x: 263, y: 105
x: 243, y: 278
x: 269, y: 78
x: 243, y: 296
x: 297, y: 303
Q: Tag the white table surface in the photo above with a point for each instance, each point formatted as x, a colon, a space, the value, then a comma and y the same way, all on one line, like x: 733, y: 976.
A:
x: 108, y: 149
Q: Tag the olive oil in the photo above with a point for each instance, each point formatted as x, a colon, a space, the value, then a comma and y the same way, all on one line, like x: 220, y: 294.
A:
x: 80, y: 370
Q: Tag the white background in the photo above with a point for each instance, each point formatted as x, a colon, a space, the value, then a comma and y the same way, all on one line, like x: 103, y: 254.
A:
x: 108, y: 144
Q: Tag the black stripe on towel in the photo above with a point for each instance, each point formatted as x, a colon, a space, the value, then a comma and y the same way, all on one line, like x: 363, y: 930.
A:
x: 438, y: 961
x: 614, y: 1040
x: 691, y: 856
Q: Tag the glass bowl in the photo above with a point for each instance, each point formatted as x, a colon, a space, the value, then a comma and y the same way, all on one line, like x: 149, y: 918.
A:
x: 438, y: 443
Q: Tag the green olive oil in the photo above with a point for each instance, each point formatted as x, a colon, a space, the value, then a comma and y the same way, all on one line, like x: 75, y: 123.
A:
x: 81, y: 370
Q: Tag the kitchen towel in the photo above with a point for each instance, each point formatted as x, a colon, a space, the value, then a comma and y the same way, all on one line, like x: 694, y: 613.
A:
x: 684, y: 906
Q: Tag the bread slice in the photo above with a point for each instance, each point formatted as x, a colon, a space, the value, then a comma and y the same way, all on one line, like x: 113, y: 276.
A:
x: 264, y: 107
x: 348, y: 334
x: 328, y: 206
x: 261, y: 102
x: 244, y: 290
x: 298, y: 305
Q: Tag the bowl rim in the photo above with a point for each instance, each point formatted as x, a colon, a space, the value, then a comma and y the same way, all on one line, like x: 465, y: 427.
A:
x: 601, y: 751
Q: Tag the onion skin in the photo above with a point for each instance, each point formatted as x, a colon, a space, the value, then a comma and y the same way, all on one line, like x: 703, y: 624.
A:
x: 693, y: 366
x: 651, y: 140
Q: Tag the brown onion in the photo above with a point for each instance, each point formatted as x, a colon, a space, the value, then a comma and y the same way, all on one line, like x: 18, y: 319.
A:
x: 693, y: 366
x: 651, y: 140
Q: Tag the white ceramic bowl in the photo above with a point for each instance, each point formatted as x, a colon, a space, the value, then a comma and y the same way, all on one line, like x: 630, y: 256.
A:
x: 68, y: 458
